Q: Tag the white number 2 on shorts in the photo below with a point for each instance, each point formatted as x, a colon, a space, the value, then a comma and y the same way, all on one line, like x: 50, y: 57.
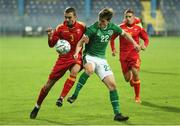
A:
x: 106, y: 68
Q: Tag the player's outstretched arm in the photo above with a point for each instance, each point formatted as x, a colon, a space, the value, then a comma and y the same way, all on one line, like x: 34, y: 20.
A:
x: 145, y: 38
x: 127, y: 36
x: 49, y: 33
x: 84, y: 39
x: 52, y: 37
x: 112, y: 43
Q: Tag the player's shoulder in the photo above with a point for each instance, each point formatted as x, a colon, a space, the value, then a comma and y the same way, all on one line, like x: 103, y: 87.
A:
x: 122, y: 24
x: 137, y: 20
x: 113, y: 25
x: 81, y: 23
x: 93, y: 26
x: 60, y: 26
x: 139, y: 25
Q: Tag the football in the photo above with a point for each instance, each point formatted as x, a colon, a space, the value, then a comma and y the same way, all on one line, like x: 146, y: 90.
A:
x: 62, y: 46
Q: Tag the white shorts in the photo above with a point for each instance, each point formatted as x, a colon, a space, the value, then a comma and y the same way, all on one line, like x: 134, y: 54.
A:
x: 100, y: 66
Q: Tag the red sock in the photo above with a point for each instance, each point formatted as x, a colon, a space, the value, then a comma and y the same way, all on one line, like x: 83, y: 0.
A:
x: 42, y: 95
x: 67, y: 86
x: 137, y: 88
x: 136, y: 85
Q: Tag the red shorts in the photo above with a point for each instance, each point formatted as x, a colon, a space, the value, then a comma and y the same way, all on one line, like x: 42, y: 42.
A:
x: 128, y: 63
x: 62, y: 65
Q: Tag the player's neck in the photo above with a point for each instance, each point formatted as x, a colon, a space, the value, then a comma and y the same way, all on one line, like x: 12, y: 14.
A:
x: 72, y: 25
x: 130, y: 24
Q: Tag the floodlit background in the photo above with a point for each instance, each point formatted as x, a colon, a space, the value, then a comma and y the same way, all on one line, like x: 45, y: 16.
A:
x: 160, y: 17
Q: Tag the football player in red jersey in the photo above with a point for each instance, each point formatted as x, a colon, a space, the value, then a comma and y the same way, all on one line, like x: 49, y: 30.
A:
x: 129, y: 57
x: 72, y: 31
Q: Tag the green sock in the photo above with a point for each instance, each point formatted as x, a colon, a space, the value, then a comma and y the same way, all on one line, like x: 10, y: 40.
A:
x: 114, y: 101
x: 82, y: 80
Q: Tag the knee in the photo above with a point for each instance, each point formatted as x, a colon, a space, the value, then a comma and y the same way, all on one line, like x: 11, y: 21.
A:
x: 135, y: 75
x: 112, y: 86
x: 135, y: 72
x: 89, y: 68
x: 75, y: 69
x: 49, y: 85
x: 127, y: 77
x: 89, y: 71
x: 74, y: 72
x: 46, y: 88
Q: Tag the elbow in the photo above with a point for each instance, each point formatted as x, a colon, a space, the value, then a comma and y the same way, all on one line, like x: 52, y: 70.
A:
x: 146, y: 43
x: 50, y: 44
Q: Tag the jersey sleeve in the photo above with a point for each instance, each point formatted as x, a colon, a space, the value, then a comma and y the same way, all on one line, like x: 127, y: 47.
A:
x: 112, y: 43
x: 144, y: 37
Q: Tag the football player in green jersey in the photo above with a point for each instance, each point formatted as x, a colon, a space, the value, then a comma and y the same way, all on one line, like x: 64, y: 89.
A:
x: 97, y: 38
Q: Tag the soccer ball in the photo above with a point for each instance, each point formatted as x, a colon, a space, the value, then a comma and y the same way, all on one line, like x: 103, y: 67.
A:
x: 62, y: 46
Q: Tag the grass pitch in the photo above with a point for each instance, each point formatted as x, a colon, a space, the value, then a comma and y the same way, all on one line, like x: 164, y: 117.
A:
x: 25, y: 64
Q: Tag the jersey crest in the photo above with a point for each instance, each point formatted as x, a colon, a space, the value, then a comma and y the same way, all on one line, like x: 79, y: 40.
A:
x: 99, y: 33
x: 110, y: 32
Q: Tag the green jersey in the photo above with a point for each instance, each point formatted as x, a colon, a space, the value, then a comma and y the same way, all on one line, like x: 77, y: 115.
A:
x: 99, y: 38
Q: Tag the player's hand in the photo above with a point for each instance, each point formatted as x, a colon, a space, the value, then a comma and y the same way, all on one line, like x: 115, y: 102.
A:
x: 75, y: 56
x: 49, y: 31
x: 137, y: 47
x: 114, y: 52
x: 143, y: 47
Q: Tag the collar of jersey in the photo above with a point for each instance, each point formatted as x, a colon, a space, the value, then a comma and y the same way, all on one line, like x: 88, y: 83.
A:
x: 102, y: 28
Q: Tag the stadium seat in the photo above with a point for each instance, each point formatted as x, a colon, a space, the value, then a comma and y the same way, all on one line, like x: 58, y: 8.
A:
x: 47, y: 13
x: 171, y: 13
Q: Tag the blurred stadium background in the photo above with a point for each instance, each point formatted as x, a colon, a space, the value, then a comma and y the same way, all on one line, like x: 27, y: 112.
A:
x: 160, y: 17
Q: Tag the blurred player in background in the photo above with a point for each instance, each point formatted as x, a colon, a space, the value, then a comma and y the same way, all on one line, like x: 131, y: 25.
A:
x: 72, y: 31
x: 97, y: 37
x: 129, y: 57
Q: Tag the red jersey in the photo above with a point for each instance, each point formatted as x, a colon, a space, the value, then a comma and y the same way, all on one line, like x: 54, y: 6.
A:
x: 72, y: 35
x: 136, y: 31
x: 66, y: 61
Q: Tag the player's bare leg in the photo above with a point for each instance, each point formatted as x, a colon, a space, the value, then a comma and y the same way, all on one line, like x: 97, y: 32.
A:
x: 136, y: 83
x: 129, y: 77
x: 111, y: 85
x: 43, y: 93
x: 68, y: 84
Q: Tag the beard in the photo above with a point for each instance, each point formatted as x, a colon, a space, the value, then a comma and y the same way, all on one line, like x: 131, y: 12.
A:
x: 69, y: 24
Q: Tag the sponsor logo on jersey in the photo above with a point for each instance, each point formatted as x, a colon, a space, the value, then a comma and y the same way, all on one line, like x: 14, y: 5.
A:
x: 78, y: 31
x: 65, y: 31
x: 99, y: 33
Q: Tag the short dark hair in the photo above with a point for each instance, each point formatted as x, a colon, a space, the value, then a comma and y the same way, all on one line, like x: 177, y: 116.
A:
x: 129, y: 11
x: 70, y: 9
x: 106, y: 13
